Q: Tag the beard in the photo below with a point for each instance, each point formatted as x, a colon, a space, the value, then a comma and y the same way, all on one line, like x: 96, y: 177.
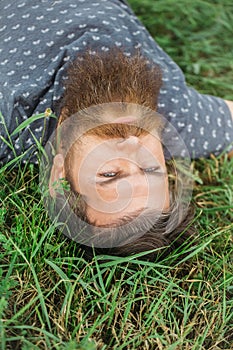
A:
x: 110, y: 77
x: 101, y: 88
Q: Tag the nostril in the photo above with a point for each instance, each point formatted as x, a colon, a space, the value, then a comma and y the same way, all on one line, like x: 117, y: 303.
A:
x: 131, y: 140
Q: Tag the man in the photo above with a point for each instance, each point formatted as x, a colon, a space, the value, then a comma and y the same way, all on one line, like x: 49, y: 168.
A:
x: 111, y: 146
x: 40, y: 41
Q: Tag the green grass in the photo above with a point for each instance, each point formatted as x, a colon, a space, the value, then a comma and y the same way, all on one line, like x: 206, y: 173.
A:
x: 51, y: 298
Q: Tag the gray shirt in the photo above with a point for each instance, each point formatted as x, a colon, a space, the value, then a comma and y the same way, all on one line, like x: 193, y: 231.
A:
x: 39, y: 39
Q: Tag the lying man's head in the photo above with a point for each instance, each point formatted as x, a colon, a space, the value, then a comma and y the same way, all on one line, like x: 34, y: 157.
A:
x: 119, y: 170
x: 111, y: 151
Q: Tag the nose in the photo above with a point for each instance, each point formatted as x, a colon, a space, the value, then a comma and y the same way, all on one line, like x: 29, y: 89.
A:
x: 130, y: 144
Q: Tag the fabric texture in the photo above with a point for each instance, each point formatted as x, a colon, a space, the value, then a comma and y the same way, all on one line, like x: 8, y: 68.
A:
x: 39, y: 39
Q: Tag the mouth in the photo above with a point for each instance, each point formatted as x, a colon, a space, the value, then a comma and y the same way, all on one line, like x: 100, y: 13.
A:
x: 125, y: 120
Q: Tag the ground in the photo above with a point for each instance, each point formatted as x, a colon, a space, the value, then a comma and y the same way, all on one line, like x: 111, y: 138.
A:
x: 51, y: 298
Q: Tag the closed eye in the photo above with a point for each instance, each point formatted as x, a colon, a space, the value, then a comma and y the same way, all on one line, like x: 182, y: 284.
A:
x: 112, y: 174
x: 154, y: 169
x: 108, y: 174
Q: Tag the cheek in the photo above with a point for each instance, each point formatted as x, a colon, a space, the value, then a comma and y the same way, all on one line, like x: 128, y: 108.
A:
x: 167, y: 194
x: 159, y: 156
x: 162, y: 193
x: 84, y: 169
x: 158, y: 197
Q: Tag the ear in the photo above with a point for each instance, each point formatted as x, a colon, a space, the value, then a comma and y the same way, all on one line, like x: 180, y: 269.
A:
x: 57, y: 173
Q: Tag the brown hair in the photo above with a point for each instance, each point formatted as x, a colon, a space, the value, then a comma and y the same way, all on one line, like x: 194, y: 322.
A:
x: 157, y: 243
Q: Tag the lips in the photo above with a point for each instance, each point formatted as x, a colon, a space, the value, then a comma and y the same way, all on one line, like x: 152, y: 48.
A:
x: 125, y: 120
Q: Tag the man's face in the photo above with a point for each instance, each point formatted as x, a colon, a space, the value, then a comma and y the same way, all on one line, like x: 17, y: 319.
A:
x: 120, y: 176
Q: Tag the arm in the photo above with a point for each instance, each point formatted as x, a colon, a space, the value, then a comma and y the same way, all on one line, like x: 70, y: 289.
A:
x: 230, y: 105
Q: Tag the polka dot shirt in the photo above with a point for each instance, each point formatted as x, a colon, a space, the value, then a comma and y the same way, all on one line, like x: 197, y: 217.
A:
x: 39, y: 39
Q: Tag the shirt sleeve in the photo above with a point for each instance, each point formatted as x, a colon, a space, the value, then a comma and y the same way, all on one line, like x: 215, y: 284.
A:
x: 204, y: 122
x: 40, y: 40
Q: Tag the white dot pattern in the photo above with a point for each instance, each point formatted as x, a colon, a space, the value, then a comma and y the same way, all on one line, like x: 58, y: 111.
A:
x: 39, y: 40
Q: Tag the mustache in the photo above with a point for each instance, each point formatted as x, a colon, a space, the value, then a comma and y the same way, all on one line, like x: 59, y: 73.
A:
x: 115, y: 130
x: 142, y: 126
x: 92, y: 121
